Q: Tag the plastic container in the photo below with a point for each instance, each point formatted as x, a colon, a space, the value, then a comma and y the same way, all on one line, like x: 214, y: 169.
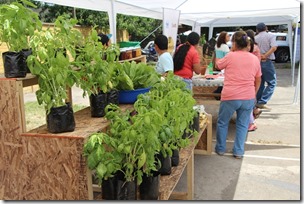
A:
x: 130, y: 96
x: 129, y: 44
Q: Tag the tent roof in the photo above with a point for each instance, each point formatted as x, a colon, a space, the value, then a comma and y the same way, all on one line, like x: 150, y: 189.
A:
x: 217, y: 13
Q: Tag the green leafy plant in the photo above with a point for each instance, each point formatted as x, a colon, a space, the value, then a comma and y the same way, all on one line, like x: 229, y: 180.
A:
x: 174, y: 103
x: 97, y: 65
x: 132, y: 75
x: 138, y: 140
x: 102, y: 155
x: 52, y: 53
x: 161, y: 117
x: 17, y: 24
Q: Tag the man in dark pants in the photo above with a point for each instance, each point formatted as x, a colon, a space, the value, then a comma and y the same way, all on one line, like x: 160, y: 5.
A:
x: 267, y: 44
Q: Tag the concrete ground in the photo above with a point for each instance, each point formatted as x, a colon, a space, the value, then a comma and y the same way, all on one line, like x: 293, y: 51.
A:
x: 270, y: 169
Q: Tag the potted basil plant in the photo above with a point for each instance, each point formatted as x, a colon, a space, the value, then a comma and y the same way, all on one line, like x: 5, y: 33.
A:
x: 17, y: 24
x: 52, y: 65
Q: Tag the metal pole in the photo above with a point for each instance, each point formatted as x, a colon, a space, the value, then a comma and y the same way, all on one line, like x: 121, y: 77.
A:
x: 297, y: 89
x: 151, y: 33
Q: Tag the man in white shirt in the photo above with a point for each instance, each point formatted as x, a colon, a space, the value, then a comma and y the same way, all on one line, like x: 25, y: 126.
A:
x: 165, y: 60
x: 268, y: 45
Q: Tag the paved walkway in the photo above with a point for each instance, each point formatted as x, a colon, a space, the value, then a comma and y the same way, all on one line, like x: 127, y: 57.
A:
x: 270, y: 169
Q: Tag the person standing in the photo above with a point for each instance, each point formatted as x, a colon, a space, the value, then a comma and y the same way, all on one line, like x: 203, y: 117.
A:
x: 105, y: 39
x: 186, y: 59
x: 165, y: 60
x: 267, y: 44
x: 221, y: 49
x: 254, y: 49
x: 241, y: 82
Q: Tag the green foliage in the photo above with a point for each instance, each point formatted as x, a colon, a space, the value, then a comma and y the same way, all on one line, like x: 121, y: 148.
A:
x: 97, y: 65
x: 100, y: 150
x: 51, y: 62
x: 174, y: 103
x: 138, y: 141
x: 17, y: 24
x: 132, y: 75
x: 161, y: 117
x: 138, y: 27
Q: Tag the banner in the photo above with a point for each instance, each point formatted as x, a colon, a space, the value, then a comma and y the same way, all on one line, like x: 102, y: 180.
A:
x: 170, y: 26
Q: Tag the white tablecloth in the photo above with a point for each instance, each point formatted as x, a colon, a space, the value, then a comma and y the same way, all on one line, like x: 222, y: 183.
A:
x: 198, y: 80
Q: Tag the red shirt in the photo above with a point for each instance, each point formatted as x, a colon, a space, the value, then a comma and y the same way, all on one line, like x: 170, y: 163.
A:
x: 192, y: 57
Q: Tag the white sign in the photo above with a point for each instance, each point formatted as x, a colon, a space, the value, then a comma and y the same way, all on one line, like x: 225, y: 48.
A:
x: 170, y: 26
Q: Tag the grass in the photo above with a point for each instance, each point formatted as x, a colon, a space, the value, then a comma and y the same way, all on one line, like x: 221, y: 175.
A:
x: 35, y: 114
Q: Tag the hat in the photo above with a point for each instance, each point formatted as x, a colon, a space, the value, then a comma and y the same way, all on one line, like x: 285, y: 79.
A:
x: 109, y: 35
x: 261, y: 27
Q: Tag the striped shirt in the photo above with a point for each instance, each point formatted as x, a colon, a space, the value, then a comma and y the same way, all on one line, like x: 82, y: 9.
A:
x: 266, y: 41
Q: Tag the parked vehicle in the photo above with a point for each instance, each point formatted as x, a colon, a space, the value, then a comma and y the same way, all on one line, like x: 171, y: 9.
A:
x: 282, y: 53
x: 149, y: 51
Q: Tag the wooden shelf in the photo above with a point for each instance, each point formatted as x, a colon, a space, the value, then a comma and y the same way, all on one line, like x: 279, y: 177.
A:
x: 39, y: 165
x: 141, y: 58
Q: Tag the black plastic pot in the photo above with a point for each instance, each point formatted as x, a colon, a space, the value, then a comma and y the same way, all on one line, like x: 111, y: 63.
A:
x: 149, y: 188
x: 113, y: 97
x: 98, y: 102
x: 196, y: 121
x: 186, y: 135
x: 25, y: 54
x: 13, y: 64
x: 61, y: 119
x: 116, y: 188
x: 166, y: 164
x: 175, y: 157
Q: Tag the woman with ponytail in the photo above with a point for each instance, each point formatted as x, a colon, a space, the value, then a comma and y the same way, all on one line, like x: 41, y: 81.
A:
x: 186, y: 59
x: 241, y: 83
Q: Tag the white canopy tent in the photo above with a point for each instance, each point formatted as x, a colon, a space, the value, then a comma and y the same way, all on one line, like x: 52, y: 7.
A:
x: 197, y: 13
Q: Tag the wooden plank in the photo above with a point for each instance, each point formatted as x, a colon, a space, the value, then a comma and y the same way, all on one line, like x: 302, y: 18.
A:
x: 19, y: 92
x: 190, y: 178
x: 85, y: 125
x: 204, y: 145
x: 178, y: 196
x: 209, y: 134
x: 141, y: 58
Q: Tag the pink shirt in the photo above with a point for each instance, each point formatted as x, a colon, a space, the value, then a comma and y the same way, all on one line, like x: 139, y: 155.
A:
x: 256, y: 51
x: 241, y: 69
x: 192, y: 57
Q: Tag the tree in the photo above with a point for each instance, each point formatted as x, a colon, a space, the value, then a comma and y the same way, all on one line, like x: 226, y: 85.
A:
x: 137, y: 27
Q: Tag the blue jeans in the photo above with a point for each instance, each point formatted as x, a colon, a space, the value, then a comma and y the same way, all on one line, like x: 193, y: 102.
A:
x: 189, y: 84
x: 269, y: 76
x: 243, y: 110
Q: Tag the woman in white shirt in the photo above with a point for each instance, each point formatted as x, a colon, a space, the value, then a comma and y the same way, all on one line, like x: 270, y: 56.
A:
x: 220, y: 50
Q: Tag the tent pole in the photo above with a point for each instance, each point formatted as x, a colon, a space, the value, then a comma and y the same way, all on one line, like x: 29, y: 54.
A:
x: 294, y: 51
x: 295, y: 98
x: 151, y: 33
x: 112, y: 21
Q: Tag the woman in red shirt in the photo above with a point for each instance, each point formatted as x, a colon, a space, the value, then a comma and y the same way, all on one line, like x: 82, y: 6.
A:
x: 186, y: 59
